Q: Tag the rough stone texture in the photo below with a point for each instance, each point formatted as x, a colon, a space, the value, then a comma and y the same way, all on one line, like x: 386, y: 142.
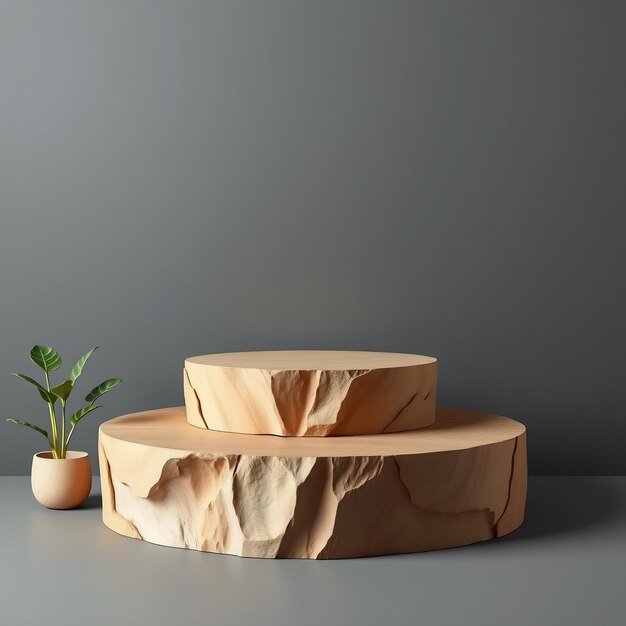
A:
x: 389, y: 393
x: 313, y: 506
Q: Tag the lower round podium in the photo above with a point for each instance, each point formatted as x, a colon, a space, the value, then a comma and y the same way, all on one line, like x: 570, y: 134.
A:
x: 461, y: 480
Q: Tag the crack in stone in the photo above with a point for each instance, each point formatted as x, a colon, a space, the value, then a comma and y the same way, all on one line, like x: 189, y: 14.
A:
x: 195, y: 393
x: 353, y: 375
x: 429, y: 511
x: 109, y: 478
x: 401, y: 411
x: 508, y: 498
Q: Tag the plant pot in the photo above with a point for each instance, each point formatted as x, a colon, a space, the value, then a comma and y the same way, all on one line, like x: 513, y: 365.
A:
x: 61, y: 483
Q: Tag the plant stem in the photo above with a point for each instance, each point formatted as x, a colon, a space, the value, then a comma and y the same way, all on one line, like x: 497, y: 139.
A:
x: 63, y: 444
x: 69, y: 436
x: 53, y: 422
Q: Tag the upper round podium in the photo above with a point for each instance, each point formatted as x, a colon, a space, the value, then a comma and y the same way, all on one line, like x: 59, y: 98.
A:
x: 310, y: 392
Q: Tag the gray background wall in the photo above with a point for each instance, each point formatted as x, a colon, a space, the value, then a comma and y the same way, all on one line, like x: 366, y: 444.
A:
x: 438, y: 177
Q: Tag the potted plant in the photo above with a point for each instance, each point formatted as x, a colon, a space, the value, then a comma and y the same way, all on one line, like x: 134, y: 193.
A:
x: 60, y: 477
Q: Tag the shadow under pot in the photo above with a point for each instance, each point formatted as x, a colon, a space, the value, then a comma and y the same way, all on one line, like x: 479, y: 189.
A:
x: 61, y: 483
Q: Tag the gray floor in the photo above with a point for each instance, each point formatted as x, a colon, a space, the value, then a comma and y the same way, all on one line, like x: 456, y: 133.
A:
x: 567, y: 565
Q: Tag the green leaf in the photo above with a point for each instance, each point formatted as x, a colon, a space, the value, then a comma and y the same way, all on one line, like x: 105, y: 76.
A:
x: 47, y: 396
x: 101, y: 389
x: 23, y: 423
x: 81, y: 413
x: 78, y: 368
x: 32, y: 381
x: 63, y: 390
x: 46, y: 357
x: 43, y: 392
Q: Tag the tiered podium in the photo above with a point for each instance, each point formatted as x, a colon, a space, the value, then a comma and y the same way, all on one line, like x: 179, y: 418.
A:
x: 312, y: 455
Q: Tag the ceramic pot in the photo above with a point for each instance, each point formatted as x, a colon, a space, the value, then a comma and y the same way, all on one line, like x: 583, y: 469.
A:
x: 61, y: 483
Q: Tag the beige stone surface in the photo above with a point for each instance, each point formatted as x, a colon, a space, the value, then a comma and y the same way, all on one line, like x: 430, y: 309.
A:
x: 459, y: 481
x: 310, y: 392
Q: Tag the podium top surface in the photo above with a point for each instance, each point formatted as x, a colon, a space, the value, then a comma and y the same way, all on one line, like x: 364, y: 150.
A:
x: 454, y: 429
x: 312, y: 360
